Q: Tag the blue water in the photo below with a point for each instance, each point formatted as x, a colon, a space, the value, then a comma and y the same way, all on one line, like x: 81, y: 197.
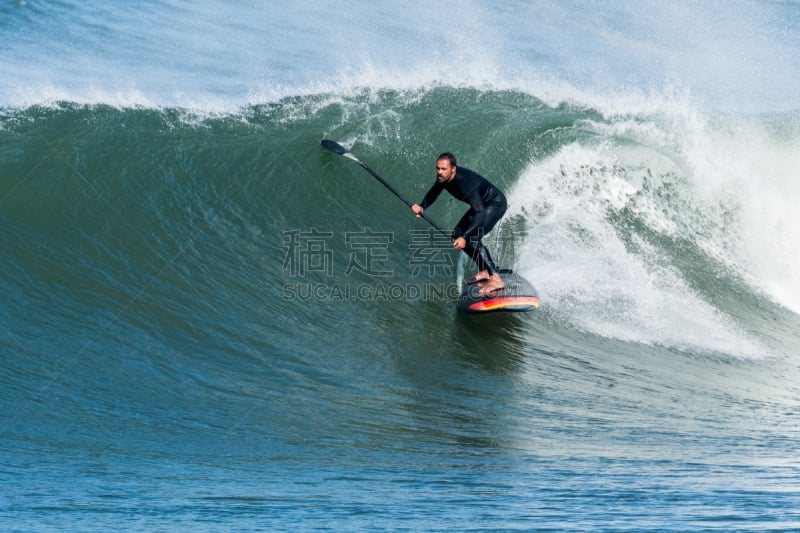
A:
x: 193, y: 339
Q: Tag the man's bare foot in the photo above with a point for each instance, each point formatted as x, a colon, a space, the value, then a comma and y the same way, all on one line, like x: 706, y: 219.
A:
x: 495, y: 283
x: 483, y: 275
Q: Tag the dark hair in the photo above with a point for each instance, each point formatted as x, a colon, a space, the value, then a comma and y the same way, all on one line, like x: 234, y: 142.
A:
x: 450, y: 157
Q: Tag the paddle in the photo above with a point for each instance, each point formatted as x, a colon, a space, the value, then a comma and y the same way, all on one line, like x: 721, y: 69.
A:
x: 338, y: 149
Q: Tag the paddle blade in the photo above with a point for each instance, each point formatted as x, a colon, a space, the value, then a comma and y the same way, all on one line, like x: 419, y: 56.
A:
x: 337, y: 148
x: 334, y: 147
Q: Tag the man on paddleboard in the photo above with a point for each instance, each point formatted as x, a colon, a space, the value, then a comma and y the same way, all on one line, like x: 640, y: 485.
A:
x: 487, y: 207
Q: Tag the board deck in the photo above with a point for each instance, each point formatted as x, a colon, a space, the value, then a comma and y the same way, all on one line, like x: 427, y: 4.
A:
x: 517, y: 296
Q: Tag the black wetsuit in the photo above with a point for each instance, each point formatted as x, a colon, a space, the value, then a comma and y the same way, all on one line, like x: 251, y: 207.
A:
x: 487, y: 207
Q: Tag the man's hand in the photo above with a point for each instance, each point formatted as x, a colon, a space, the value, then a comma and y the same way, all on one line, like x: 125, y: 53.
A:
x: 417, y: 209
x: 459, y: 243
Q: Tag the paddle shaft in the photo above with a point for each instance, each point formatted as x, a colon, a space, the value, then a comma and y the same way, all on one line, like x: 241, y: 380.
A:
x: 338, y: 149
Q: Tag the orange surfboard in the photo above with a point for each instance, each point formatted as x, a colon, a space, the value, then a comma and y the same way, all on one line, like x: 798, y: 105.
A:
x: 519, y: 295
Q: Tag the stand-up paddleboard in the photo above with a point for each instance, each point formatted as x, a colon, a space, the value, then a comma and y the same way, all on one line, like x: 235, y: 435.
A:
x: 517, y: 296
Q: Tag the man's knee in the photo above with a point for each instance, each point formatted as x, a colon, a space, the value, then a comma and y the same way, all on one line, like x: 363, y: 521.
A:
x: 475, y: 241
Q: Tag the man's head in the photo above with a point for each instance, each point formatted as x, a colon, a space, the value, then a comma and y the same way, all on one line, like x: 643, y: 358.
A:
x: 445, y: 167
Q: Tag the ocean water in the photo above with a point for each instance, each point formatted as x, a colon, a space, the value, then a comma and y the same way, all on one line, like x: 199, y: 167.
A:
x: 211, y: 323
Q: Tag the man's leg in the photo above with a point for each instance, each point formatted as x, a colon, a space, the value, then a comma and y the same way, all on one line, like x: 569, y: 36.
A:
x: 487, y: 271
x: 494, y: 212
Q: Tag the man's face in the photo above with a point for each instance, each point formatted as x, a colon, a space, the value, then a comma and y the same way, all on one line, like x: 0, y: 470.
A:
x: 444, y: 171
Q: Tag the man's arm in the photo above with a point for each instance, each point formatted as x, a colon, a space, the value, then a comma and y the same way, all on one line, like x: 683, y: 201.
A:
x: 432, y: 194
x: 476, y: 203
x: 430, y: 197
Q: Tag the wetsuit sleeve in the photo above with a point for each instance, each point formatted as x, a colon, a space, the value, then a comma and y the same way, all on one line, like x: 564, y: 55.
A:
x: 478, y: 212
x: 431, y: 195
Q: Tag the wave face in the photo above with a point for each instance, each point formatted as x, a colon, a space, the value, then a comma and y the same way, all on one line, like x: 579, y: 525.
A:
x: 211, y: 322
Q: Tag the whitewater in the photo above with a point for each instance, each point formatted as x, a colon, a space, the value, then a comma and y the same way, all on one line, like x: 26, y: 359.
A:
x: 210, y: 322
